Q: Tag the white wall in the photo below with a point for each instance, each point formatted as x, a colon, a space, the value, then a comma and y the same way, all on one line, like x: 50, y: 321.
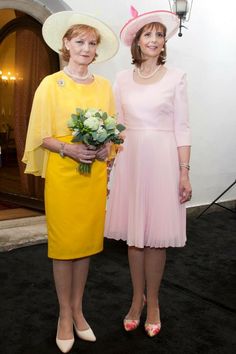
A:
x: 207, y: 52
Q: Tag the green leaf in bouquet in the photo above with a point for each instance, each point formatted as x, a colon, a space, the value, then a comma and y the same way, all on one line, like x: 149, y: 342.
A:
x: 94, y: 135
x: 104, y: 115
x: 77, y: 138
x: 110, y: 130
x: 97, y: 114
x: 79, y: 111
x: 109, y: 134
x: 101, y: 135
x: 107, y: 140
x: 82, y: 118
x: 86, y: 139
x: 120, y: 127
x: 71, y: 123
x: 101, y: 139
x: 110, y: 123
x: 117, y: 140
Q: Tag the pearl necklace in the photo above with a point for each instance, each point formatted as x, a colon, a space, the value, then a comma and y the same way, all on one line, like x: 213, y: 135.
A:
x: 77, y: 77
x: 148, y: 76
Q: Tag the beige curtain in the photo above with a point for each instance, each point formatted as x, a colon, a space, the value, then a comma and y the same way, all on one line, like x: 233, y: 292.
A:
x: 34, y: 60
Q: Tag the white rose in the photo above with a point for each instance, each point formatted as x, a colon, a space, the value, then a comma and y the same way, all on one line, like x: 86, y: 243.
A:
x: 101, y: 134
x: 91, y: 123
x: 110, y: 123
x: 90, y: 113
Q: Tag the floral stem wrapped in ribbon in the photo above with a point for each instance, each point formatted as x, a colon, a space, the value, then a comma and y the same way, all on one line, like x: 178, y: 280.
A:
x: 94, y: 127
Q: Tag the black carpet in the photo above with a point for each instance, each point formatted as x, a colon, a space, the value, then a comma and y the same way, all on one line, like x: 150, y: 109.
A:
x: 197, y: 299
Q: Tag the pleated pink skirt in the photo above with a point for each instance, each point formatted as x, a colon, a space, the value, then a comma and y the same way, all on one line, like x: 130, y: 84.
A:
x: 143, y: 207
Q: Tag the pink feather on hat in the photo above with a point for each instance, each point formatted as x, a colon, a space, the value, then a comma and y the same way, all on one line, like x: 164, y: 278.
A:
x: 133, y: 11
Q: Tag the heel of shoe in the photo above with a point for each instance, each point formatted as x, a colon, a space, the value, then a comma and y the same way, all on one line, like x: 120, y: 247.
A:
x: 131, y: 325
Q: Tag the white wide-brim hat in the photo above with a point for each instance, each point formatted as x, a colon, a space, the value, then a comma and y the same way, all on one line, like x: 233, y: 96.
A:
x: 57, y: 24
x: 169, y: 19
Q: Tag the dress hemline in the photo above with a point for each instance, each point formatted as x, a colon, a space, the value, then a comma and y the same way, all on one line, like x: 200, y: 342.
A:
x: 69, y: 258
x: 161, y: 245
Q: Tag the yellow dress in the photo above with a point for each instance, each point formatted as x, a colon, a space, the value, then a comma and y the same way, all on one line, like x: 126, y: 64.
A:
x: 74, y: 203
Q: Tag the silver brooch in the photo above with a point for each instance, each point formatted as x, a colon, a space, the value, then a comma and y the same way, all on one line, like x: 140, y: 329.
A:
x: 61, y: 82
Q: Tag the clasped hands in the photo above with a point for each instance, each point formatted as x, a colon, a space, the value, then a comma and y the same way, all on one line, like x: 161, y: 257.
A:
x: 88, y: 153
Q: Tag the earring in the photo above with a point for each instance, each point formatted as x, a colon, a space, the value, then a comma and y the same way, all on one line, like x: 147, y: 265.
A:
x: 162, y: 49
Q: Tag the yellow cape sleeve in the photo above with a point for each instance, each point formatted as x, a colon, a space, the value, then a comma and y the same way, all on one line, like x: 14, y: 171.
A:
x: 40, y: 126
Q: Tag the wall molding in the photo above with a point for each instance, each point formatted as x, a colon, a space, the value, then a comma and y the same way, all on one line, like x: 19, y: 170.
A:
x: 39, y: 10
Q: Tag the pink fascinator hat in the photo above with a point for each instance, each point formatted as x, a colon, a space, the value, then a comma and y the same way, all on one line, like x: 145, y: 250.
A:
x: 167, y: 18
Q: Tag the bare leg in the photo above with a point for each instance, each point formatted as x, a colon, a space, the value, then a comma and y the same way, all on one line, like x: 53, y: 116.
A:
x: 154, y: 260
x: 62, y: 271
x: 136, y: 264
x: 80, y: 274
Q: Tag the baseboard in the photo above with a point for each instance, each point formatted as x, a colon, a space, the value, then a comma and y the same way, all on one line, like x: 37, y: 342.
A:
x: 195, y: 211
x: 23, y: 201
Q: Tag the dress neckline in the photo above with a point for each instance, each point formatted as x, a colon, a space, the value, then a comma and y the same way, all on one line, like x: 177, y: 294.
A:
x: 79, y: 83
x: 149, y: 84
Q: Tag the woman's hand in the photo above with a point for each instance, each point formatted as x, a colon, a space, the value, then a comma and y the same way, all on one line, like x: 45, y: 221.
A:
x: 185, y: 189
x: 103, y: 152
x: 78, y: 152
x: 81, y: 152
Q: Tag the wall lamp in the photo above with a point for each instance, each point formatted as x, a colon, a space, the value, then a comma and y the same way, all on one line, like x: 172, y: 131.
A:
x: 7, y: 77
x: 182, y: 8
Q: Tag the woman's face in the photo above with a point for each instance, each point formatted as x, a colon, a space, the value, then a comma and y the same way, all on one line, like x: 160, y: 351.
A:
x: 82, y: 48
x: 151, y: 42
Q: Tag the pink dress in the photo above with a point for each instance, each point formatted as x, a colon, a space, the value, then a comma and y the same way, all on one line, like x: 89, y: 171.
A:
x: 143, y: 207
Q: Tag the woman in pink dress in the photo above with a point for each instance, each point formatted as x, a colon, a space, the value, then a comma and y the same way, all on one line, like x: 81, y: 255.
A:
x: 150, y: 184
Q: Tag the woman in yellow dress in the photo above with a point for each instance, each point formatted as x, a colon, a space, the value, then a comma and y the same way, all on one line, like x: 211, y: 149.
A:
x: 74, y: 203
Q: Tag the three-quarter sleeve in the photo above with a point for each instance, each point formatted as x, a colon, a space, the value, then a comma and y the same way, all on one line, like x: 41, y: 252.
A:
x: 40, y: 127
x: 181, y: 114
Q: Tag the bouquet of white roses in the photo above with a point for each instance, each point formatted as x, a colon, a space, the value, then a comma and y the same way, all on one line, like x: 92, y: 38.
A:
x: 94, y: 127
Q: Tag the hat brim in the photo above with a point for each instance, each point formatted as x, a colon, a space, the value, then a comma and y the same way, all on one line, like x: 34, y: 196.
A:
x: 56, y: 25
x: 167, y: 18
